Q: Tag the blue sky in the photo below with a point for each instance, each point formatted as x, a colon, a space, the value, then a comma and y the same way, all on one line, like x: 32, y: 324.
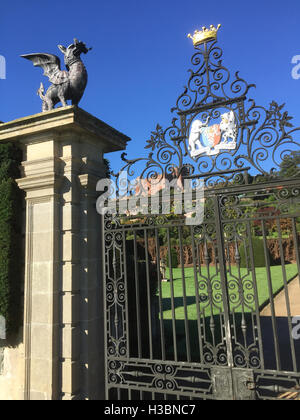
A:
x: 140, y: 57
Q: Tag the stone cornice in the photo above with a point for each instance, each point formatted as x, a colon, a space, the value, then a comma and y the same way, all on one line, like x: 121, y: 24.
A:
x: 39, y: 182
x: 61, y: 120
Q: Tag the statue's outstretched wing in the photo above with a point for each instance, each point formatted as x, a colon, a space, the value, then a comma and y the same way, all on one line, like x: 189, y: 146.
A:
x: 51, y: 65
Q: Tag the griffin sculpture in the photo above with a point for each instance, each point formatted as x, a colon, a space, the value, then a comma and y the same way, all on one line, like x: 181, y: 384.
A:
x: 66, y: 85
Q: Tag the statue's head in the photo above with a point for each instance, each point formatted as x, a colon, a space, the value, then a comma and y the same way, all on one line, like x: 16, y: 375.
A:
x: 73, y: 52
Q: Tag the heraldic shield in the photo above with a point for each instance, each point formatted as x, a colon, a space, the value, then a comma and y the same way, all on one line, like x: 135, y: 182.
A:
x: 211, y: 136
x: 210, y: 140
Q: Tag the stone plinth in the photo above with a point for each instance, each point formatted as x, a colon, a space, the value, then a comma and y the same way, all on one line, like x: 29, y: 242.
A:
x: 63, y: 322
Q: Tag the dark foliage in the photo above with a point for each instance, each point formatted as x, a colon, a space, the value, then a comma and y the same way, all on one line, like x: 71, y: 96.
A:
x: 10, y: 237
x: 174, y: 258
x: 258, y: 254
x: 290, y: 166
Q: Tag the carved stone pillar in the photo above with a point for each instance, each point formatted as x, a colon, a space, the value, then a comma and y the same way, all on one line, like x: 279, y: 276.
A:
x: 63, y: 322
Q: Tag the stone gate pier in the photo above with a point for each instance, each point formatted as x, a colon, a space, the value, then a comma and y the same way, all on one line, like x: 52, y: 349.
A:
x: 61, y: 352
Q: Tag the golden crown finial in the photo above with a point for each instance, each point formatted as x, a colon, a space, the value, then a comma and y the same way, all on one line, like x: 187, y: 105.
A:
x: 207, y: 34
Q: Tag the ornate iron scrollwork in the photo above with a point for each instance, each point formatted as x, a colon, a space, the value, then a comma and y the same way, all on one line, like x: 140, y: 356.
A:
x: 264, y: 138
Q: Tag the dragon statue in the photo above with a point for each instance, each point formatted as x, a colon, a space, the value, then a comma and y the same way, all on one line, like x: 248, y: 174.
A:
x: 66, y: 85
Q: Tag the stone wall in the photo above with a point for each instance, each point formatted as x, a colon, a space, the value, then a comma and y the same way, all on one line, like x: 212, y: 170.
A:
x: 12, y: 369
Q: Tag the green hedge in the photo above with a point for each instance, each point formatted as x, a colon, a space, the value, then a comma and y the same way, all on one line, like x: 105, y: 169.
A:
x: 10, y: 237
x: 258, y: 254
x: 174, y: 258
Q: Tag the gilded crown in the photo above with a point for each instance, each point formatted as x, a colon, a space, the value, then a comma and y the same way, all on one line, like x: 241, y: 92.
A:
x: 205, y: 35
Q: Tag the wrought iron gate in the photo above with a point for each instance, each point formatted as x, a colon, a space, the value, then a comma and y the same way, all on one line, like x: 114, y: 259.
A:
x: 219, y: 321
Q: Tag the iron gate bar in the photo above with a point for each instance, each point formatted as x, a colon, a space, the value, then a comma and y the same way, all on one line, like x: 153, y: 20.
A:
x: 295, y: 236
x: 242, y: 189
x: 260, y: 341
x: 275, y: 388
x: 262, y: 218
x: 241, y: 297
x: 137, y: 295
x: 224, y: 283
x: 124, y: 270
x: 105, y: 321
x: 186, y: 322
x: 172, y: 296
x: 213, y: 105
x: 161, y: 300
x: 271, y: 294
x: 197, y: 297
x: 116, y: 318
x: 148, y: 294
x: 210, y: 295
x: 179, y: 379
x: 162, y: 327
x: 211, y: 174
x: 288, y: 306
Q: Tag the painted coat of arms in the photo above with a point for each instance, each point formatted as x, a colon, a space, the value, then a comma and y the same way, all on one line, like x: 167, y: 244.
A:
x: 210, y: 140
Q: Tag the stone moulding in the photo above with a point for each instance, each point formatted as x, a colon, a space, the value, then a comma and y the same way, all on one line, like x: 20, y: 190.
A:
x: 63, y: 119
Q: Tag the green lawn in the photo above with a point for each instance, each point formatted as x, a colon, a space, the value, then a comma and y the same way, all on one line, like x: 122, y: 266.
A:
x: 236, y: 288
x: 213, y: 313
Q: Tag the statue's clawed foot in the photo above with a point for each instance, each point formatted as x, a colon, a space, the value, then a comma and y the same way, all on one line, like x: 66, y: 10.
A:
x: 63, y: 101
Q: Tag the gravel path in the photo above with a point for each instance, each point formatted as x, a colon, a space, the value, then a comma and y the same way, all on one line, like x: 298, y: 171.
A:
x: 280, y: 301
